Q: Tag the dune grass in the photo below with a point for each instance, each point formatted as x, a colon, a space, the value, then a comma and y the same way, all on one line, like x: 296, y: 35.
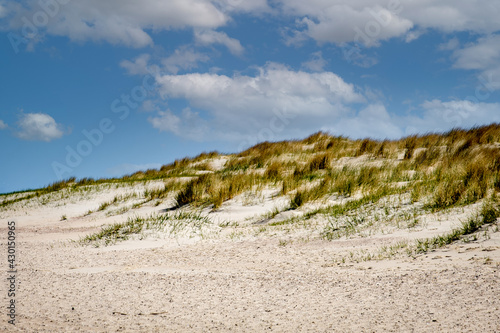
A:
x: 456, y: 168
x: 171, y: 224
x: 438, y: 171
x: 215, y: 188
x: 489, y: 214
x: 54, y: 187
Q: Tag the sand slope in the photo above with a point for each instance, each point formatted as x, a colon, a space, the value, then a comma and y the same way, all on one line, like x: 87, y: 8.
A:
x: 241, y: 280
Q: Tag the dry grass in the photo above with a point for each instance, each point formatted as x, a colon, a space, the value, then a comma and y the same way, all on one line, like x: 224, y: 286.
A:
x: 456, y: 168
x: 215, y: 188
x: 459, y: 167
x: 348, y: 183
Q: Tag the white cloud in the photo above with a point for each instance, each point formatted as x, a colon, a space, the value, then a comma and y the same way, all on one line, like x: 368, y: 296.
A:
x: 208, y: 37
x: 439, y: 115
x: 39, y: 127
x: 139, y: 66
x: 166, y: 121
x: 371, y: 21
x: 479, y: 16
x: 413, y: 35
x: 280, y: 103
x: 240, y: 105
x: 373, y: 121
x: 183, y: 58
x: 274, y: 86
x: 254, y: 6
x: 124, y: 21
x: 432, y: 116
x: 317, y: 63
x: 365, y: 22
x: 188, y: 124
x: 483, y: 56
x: 2, y: 125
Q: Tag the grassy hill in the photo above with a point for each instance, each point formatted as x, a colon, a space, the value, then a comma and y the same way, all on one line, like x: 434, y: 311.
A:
x: 324, y: 186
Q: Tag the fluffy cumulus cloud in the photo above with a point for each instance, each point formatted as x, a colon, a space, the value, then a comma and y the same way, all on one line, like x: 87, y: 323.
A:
x: 431, y: 117
x: 282, y: 103
x: 118, y: 21
x: 484, y: 56
x: 479, y: 16
x: 481, y: 55
x: 2, y: 125
x: 275, y: 85
x: 38, y: 127
x: 278, y: 100
x: 440, y: 116
x: 371, y: 21
x: 367, y: 25
x: 239, y: 105
x: 368, y: 22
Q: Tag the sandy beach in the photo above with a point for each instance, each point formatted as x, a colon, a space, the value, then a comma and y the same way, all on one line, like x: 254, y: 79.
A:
x: 240, y: 280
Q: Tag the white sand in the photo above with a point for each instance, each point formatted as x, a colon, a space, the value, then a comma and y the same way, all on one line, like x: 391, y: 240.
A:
x: 242, y: 278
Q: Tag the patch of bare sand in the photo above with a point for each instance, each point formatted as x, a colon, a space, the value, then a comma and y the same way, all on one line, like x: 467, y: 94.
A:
x: 252, y: 283
x: 249, y: 286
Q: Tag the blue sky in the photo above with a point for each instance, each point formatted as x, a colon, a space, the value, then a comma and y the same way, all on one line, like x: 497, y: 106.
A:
x: 104, y: 88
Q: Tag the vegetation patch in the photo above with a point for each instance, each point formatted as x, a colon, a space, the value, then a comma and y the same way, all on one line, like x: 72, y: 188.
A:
x: 171, y: 224
x: 488, y: 215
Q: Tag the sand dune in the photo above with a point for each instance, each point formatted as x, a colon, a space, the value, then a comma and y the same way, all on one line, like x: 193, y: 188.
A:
x: 239, y: 277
